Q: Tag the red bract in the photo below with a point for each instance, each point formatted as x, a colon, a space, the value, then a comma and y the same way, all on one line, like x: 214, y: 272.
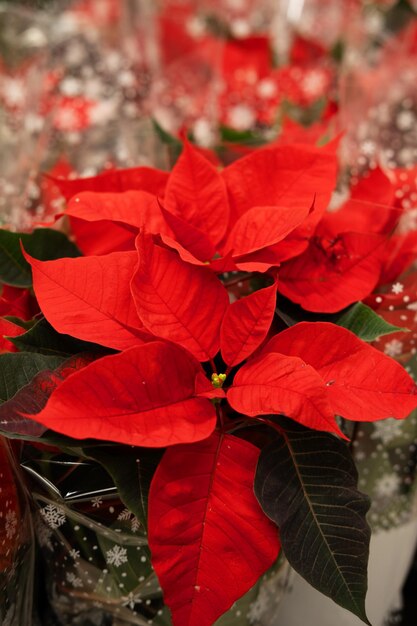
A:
x: 333, y: 273
x: 9, y: 329
x: 144, y: 396
x: 361, y: 383
x: 274, y: 383
x: 196, y: 192
x: 206, y: 504
x: 178, y: 301
x: 246, y: 324
x: 17, y: 303
x: 289, y: 176
x: 89, y: 298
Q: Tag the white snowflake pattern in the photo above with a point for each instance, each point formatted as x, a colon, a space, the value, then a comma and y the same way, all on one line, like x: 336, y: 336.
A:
x: 125, y: 516
x: 53, y: 515
x: 368, y: 148
x: 74, y: 554
x: 386, y: 430
x: 397, y: 288
x: 11, y: 524
x: 74, y: 580
x: 387, y: 485
x: 394, y: 347
x: 131, y: 600
x: 97, y: 501
x: 116, y: 556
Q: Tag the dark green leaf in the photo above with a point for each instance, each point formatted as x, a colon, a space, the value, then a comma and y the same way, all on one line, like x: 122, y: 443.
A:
x: 132, y: 470
x: 358, y: 318
x: 44, y: 339
x: 44, y: 244
x: 18, y: 369
x: 365, y: 323
x: 306, y: 482
x: 247, y: 137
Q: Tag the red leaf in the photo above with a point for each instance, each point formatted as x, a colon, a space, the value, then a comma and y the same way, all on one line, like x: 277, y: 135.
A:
x: 290, y: 176
x: 145, y: 178
x: 102, y: 237
x: 273, y: 256
x: 33, y: 397
x: 274, y: 383
x: 188, y: 236
x: 89, y: 298
x: 197, y: 193
x: 246, y: 324
x: 178, y: 301
x: 134, y: 208
x: 17, y: 302
x: 9, y: 329
x: 115, y: 219
x: 362, y: 383
x: 210, y: 540
x: 331, y: 274
x: 184, y: 254
x: 143, y: 396
x: 263, y: 226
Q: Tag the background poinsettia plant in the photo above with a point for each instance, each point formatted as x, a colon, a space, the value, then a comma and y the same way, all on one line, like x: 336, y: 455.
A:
x: 214, y: 314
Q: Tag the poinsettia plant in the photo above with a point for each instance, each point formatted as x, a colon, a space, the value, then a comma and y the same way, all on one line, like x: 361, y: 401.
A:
x: 172, y: 321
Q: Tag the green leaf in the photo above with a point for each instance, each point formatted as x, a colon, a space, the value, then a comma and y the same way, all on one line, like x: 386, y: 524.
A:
x: 358, y: 318
x: 365, y: 323
x: 44, y: 244
x: 240, y: 136
x: 306, y: 482
x: 44, y: 339
x: 132, y: 470
x: 18, y: 369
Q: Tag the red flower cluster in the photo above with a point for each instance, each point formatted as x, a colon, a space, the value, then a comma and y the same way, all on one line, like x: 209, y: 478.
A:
x: 195, y: 359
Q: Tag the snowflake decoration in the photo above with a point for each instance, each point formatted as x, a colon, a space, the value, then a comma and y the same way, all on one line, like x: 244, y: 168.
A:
x: 386, y: 430
x: 397, y: 288
x: 74, y: 580
x: 387, y: 485
x: 125, y: 516
x: 368, y: 148
x: 53, y: 515
x: 11, y: 524
x: 116, y: 556
x: 74, y: 554
x: 131, y: 600
x: 394, y: 348
x: 97, y: 501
